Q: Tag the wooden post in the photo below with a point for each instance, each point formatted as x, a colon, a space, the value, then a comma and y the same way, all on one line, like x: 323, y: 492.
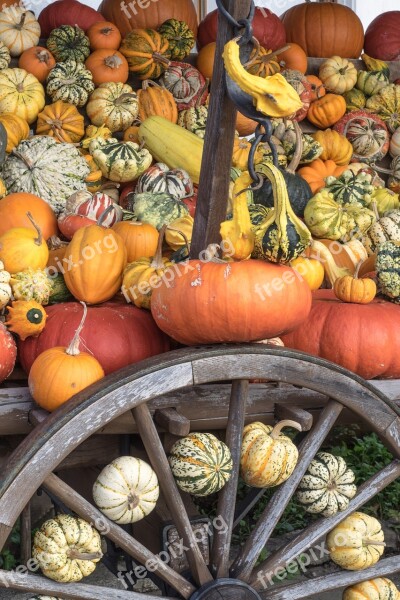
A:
x: 218, y: 143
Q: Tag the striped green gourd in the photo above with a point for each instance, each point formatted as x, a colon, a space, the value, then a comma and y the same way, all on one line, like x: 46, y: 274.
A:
x: 194, y: 119
x: 119, y: 161
x: 70, y: 82
x: 69, y: 42
x: 385, y: 229
x: 351, y: 188
x: 43, y: 167
x: 371, y: 82
x: 200, y: 463
x: 327, y: 486
x: 159, y: 178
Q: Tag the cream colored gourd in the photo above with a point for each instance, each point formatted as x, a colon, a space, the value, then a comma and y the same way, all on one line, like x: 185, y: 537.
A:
x: 114, y: 105
x: 126, y: 490
x: 67, y: 548
x: 338, y: 74
x: 5, y: 288
x: 327, y: 486
x: 19, y: 29
x: 357, y: 542
x: 268, y: 457
x: 374, y: 589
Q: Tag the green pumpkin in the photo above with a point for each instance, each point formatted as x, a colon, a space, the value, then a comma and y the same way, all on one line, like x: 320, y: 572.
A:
x: 298, y: 190
x: 119, y: 161
x: 282, y: 236
x: 70, y: 82
x: 355, y: 99
x: 200, y: 463
x: 386, y: 105
x: 327, y: 486
x: 181, y: 39
x: 388, y: 270
x: 69, y: 42
x: 59, y: 291
x: 158, y: 209
x: 328, y: 219
x: 194, y: 119
x: 385, y: 229
x: 371, y: 82
x: 351, y: 188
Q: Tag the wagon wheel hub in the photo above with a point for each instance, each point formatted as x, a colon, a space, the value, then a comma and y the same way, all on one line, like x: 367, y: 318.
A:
x: 226, y: 589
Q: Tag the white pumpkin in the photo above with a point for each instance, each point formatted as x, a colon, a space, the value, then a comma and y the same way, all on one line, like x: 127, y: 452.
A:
x: 357, y: 542
x: 67, y: 548
x: 5, y: 288
x: 327, y: 486
x: 374, y: 589
x: 126, y: 490
x: 394, y: 148
x: 19, y: 29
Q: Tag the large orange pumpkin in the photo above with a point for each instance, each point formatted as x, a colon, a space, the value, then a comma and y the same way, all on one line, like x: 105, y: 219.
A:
x: 324, y: 29
x: 13, y: 209
x: 211, y: 302
x: 151, y: 16
x: 96, y: 259
x: 364, y: 338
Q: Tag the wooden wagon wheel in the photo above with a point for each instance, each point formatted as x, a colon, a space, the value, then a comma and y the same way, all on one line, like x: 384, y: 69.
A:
x: 34, y: 461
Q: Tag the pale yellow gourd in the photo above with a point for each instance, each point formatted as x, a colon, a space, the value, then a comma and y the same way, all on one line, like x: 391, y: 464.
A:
x: 374, y: 589
x: 237, y: 233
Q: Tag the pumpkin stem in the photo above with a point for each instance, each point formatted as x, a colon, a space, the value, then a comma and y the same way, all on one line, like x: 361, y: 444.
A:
x: 25, y: 160
x: 157, y: 262
x: 75, y: 555
x: 21, y: 23
x: 39, y: 239
x: 124, y: 97
x: 133, y: 501
x: 113, y: 62
x: 367, y: 542
x: 374, y: 206
x: 358, y: 267
x: 294, y: 163
x: 43, y: 56
x: 73, y: 348
x: 106, y: 30
x: 148, y: 83
x: 104, y: 214
x: 54, y: 243
x: 187, y: 243
x: 382, y: 170
x: 275, y: 433
x: 161, y: 59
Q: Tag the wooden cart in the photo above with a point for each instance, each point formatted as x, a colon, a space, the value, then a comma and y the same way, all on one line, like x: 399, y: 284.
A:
x: 194, y: 389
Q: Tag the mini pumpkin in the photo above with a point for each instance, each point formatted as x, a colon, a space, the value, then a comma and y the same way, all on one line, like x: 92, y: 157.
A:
x: 104, y: 35
x: 268, y: 458
x: 357, y: 542
x: 68, y: 42
x: 200, y: 463
x: 21, y: 93
x: 62, y: 121
x: 19, y: 29
x: 338, y: 74
x: 38, y: 61
x: 367, y: 133
x: 126, y: 490
x: 67, y: 548
x: 318, y: 170
x: 21, y: 248
x: 328, y: 485
x: 156, y: 100
x: 16, y: 127
x: 120, y: 161
x: 186, y: 84
x: 160, y: 179
x: 140, y: 239
x: 352, y: 289
x: 71, y: 82
x: 180, y: 38
x: 113, y: 105
x: 59, y: 373
x: 107, y: 65
x: 311, y: 270
x: 146, y: 52
x: 374, y: 589
x: 31, y: 285
x: 5, y: 288
x: 335, y: 146
x: 26, y: 318
x: 326, y: 111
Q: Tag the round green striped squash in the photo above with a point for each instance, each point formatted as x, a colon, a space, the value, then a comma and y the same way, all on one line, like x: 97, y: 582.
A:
x: 70, y: 82
x: 69, y: 42
x: 119, y: 161
x: 385, y: 229
x: 327, y: 486
x: 126, y: 490
x: 351, y: 188
x: 371, y: 82
x: 200, y: 463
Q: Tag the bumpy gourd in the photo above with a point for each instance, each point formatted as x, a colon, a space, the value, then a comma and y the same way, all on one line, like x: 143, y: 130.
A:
x: 31, y: 285
x: 26, y: 318
x: 158, y: 209
x: 386, y: 104
x: 385, y: 229
x: 70, y: 82
x: 351, y: 188
x: 120, y: 161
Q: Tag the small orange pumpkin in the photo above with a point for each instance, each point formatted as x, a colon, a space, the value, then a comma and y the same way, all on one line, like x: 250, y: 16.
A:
x: 205, y: 60
x: 146, y: 52
x: 26, y: 319
x: 139, y: 238
x: 131, y: 134
x: 311, y: 270
x: 155, y: 100
x: 21, y: 248
x: 104, y: 35
x: 352, y: 289
x: 294, y: 58
x: 38, y: 61
x: 107, y: 65
x: 59, y: 373
x: 316, y: 172
x: 326, y: 111
x: 61, y: 121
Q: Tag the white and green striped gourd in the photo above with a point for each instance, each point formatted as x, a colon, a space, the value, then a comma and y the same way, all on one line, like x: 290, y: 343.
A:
x: 328, y: 485
x: 70, y: 82
x: 200, y: 463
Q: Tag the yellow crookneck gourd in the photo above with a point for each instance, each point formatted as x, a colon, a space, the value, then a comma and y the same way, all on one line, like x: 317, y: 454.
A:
x: 272, y: 95
x: 238, y: 232
x: 282, y: 237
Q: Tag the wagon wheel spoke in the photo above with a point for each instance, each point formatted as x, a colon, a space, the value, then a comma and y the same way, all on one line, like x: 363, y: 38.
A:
x: 226, y: 502
x: 114, y: 532
x: 244, y: 563
x: 26, y: 534
x: 320, y: 585
x: 317, y: 530
x: 173, y: 499
x: 73, y: 591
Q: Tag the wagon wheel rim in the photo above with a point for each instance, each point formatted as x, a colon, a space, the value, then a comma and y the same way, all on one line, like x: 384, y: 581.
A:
x: 131, y: 389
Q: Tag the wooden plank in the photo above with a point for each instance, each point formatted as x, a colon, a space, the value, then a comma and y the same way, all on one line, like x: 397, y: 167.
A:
x: 159, y: 462
x: 294, y: 413
x: 243, y: 565
x: 317, y: 530
x: 317, y: 586
x: 114, y: 532
x: 67, y: 591
x: 172, y: 421
x: 218, y: 143
x: 227, y: 497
